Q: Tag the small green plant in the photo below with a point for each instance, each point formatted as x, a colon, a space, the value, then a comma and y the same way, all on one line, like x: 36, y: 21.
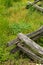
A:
x: 7, y: 3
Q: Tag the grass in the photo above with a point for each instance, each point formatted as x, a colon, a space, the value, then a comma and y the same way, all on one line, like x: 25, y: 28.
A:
x: 14, y: 20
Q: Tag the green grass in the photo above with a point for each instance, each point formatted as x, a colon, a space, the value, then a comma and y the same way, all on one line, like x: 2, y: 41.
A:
x: 13, y: 20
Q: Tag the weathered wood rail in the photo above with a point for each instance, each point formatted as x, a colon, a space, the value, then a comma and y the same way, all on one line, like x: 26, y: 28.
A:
x: 36, y: 1
x: 34, y: 51
x: 35, y: 35
x: 30, y: 54
x: 35, y: 6
x: 35, y: 47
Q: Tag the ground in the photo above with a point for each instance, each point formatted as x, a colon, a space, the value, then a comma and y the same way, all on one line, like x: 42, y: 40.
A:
x: 14, y: 20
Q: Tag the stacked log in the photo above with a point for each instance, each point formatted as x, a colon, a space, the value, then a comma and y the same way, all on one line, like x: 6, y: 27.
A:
x: 31, y: 55
x: 34, y: 46
x: 34, y: 51
x: 35, y: 6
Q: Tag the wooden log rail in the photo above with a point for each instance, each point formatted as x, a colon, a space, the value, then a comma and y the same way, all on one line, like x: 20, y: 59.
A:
x: 35, y: 6
x: 35, y: 35
x: 37, y: 49
x: 36, y: 1
x: 31, y: 55
x: 36, y: 53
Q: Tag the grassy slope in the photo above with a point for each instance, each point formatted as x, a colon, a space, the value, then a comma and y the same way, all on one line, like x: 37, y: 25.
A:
x: 14, y: 20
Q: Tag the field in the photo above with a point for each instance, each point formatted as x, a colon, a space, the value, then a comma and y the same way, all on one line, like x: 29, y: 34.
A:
x: 15, y: 18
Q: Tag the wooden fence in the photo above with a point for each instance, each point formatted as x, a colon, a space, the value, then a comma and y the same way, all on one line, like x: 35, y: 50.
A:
x: 26, y: 43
